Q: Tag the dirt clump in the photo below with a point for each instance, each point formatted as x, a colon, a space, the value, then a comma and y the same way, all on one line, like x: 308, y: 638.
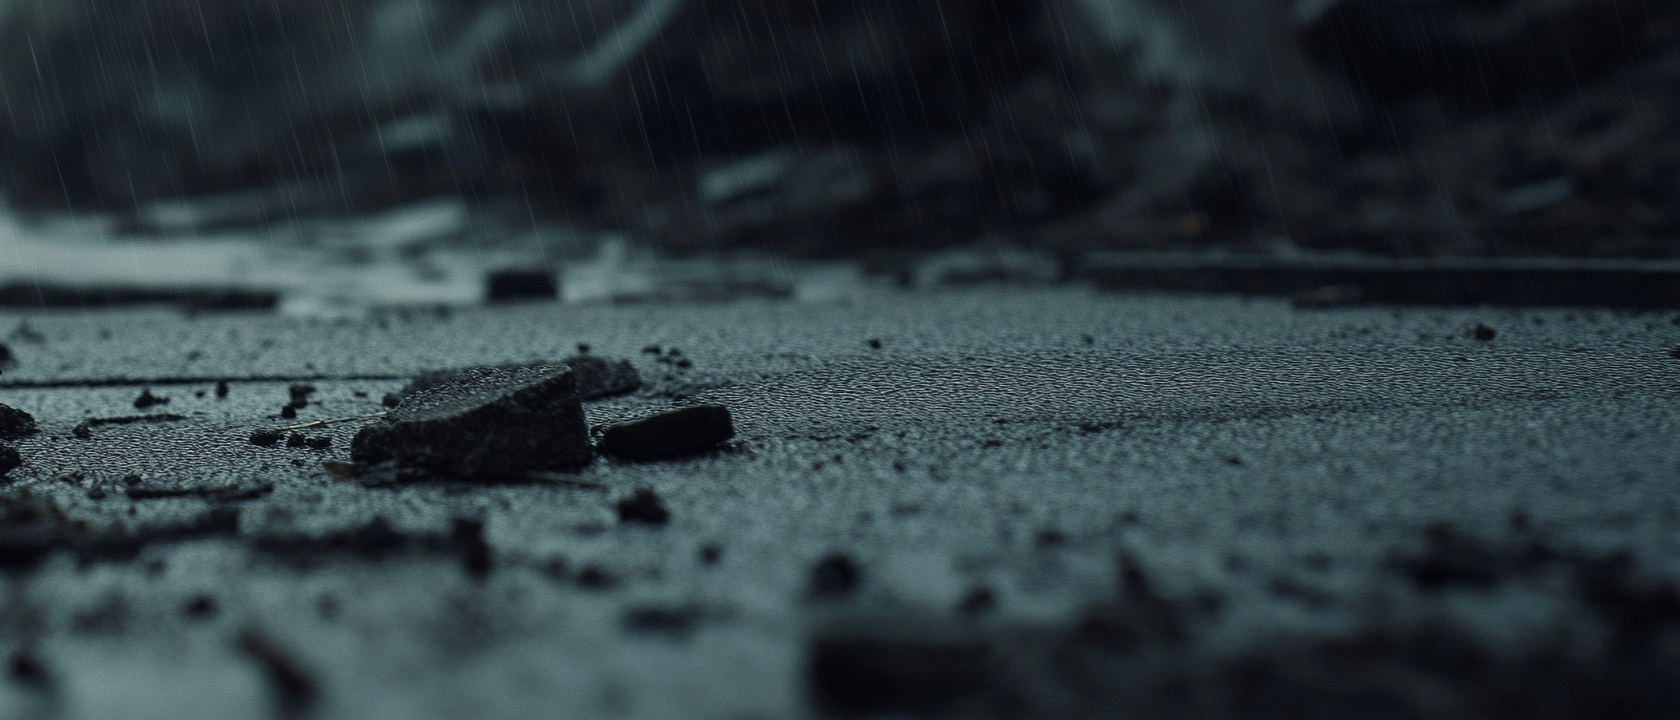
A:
x: 643, y: 507
x: 484, y: 422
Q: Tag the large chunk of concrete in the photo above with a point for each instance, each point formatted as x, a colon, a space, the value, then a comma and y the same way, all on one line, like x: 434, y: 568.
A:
x: 485, y: 422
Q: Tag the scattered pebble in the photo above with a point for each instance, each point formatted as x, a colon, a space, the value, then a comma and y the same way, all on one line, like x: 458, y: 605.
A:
x: 318, y: 443
x: 200, y: 607
x: 266, y: 438
x: 875, y: 343
x: 300, y: 393
x: 82, y: 430
x: 296, y: 440
x: 221, y: 388
x: 1482, y: 332
x: 484, y: 422
x: 643, y: 507
x: 678, y: 432
x: 147, y: 399
x: 391, y: 400
x: 288, y: 412
x: 835, y: 576
x: 16, y: 423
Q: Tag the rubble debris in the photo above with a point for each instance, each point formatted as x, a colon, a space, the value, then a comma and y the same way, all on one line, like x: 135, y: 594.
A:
x: 288, y: 412
x: 9, y: 459
x: 93, y: 422
x: 266, y: 438
x: 835, y: 576
x: 15, y: 423
x: 82, y: 431
x: 643, y: 507
x: 596, y: 378
x: 391, y: 400
x: 515, y: 284
x: 295, y: 440
x: 147, y: 399
x: 684, y: 431
x: 221, y: 389
x: 874, y: 343
x: 1482, y: 332
x: 485, y: 422
x: 300, y: 393
x: 319, y: 442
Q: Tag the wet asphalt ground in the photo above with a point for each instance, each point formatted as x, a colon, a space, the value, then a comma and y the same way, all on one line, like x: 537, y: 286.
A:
x: 938, y: 468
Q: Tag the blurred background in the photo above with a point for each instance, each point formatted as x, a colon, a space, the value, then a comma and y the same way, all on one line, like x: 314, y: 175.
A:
x: 371, y: 149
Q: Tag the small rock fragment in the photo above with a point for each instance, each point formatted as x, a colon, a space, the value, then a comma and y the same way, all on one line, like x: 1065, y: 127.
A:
x: 874, y: 343
x: 83, y: 431
x: 1482, y: 332
x: 684, y: 431
x: 296, y: 440
x: 643, y: 507
x: 391, y: 400
x: 221, y: 388
x: 318, y: 443
x: 300, y: 393
x: 15, y: 423
x: 485, y: 422
x: 288, y: 412
x: 147, y: 399
x: 835, y: 576
x: 9, y: 459
x: 266, y: 438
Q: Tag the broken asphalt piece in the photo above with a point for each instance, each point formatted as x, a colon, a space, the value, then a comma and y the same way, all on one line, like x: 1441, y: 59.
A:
x: 485, y: 422
x: 1371, y: 279
x: 147, y: 399
x: 15, y: 423
x: 510, y: 285
x: 596, y: 378
x: 684, y: 431
x: 9, y: 459
x: 266, y: 438
x: 643, y: 507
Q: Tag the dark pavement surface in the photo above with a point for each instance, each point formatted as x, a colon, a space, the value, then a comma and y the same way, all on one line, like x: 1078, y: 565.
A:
x: 981, y: 470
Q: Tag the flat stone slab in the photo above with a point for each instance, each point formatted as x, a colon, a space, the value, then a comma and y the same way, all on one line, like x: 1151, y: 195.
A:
x: 485, y: 422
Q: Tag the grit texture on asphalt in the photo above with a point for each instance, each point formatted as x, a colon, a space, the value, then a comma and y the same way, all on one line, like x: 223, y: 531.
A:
x: 988, y: 482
